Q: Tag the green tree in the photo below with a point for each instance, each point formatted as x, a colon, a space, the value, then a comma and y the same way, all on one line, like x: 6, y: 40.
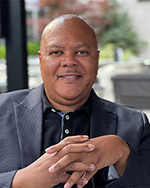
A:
x: 93, y: 11
x: 120, y: 33
x: 110, y: 24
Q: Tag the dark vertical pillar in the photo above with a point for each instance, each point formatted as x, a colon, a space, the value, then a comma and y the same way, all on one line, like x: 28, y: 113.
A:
x: 16, y: 50
x: 2, y: 18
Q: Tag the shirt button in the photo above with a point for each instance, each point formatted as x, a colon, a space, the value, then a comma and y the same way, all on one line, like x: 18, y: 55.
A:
x: 53, y: 110
x: 66, y: 131
x: 67, y: 117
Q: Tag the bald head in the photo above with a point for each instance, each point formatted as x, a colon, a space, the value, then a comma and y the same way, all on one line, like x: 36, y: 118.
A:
x: 68, y: 22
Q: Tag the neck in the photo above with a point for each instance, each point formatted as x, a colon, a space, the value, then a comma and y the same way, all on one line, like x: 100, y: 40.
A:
x: 67, y: 106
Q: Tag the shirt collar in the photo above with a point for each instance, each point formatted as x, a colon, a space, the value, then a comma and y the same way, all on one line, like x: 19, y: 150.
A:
x: 87, y: 106
x: 46, y: 103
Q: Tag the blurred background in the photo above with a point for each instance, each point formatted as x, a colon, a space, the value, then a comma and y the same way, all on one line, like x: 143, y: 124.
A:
x: 123, y: 32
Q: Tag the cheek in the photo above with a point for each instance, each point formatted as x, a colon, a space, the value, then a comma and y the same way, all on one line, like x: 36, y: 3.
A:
x: 91, y: 75
x: 49, y: 69
x: 91, y: 70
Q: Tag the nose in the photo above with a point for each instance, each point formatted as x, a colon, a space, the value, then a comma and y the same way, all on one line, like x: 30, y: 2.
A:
x: 69, y: 60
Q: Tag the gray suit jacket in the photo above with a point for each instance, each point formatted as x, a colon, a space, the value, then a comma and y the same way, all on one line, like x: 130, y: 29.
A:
x: 21, y: 133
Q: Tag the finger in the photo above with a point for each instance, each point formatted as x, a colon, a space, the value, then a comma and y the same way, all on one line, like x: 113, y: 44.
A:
x: 63, y: 177
x: 64, y: 162
x: 69, y: 154
x: 65, y: 142
x: 76, y: 148
x: 71, y: 162
x: 74, y: 178
x: 89, y: 174
x: 78, y: 166
x: 82, y: 182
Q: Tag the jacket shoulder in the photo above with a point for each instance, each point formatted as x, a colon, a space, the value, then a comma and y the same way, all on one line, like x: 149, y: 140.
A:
x: 14, y: 96
x: 124, y: 114
x: 113, y: 107
x: 130, y: 123
x: 24, y: 97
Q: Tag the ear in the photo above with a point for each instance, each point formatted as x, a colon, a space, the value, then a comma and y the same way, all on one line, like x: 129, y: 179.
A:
x: 98, y: 56
x: 40, y: 56
x: 98, y: 53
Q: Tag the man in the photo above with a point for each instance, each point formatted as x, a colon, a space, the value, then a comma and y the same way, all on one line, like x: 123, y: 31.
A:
x: 112, y: 148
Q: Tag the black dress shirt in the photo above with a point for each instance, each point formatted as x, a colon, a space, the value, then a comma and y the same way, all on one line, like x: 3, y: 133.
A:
x: 58, y: 125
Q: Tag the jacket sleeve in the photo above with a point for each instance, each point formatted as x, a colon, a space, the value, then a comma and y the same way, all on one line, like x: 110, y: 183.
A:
x: 6, y: 179
x: 137, y: 173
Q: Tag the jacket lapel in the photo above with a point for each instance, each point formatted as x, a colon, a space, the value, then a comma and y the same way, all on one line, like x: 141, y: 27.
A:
x: 103, y: 120
x: 29, y: 126
x: 28, y: 115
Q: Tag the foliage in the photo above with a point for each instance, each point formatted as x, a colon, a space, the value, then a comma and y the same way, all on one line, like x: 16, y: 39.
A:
x: 93, y: 11
x: 107, y: 52
x: 121, y: 33
x: 110, y: 25
x: 32, y: 48
x: 128, y: 54
x: 2, y: 52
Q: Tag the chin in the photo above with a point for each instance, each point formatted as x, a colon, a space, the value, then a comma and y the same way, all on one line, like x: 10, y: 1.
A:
x: 73, y: 93
x: 70, y: 96
x: 74, y: 96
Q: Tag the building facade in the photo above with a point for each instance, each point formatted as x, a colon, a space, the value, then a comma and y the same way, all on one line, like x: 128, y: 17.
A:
x: 139, y: 13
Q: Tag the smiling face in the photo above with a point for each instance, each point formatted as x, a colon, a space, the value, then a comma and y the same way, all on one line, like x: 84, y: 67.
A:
x: 68, y: 61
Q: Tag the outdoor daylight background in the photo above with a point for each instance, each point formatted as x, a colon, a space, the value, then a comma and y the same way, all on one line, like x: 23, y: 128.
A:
x: 123, y: 32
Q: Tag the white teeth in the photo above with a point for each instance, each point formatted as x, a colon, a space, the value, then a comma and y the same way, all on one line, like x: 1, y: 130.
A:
x: 69, y: 76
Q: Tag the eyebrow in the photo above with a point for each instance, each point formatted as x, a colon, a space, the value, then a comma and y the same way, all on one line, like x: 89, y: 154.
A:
x: 77, y: 46
x: 82, y: 45
x: 55, y: 46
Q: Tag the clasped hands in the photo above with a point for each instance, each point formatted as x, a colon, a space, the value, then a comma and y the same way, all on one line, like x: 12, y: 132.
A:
x: 78, y: 154
x: 89, y: 156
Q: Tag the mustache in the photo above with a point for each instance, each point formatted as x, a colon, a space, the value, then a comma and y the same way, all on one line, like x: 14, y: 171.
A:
x: 69, y: 71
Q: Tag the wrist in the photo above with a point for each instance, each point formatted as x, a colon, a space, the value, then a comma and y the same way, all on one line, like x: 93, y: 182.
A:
x: 121, y: 164
x: 18, y: 180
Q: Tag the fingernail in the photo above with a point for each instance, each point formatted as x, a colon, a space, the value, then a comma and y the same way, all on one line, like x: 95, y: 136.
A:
x: 68, y: 185
x: 91, y: 147
x: 84, y: 182
x: 52, y: 169
x: 79, y: 186
x: 50, y: 150
x: 85, y: 137
x: 92, y: 167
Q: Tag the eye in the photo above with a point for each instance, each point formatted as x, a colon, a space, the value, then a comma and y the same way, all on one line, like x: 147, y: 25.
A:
x: 56, y: 53
x: 82, y: 53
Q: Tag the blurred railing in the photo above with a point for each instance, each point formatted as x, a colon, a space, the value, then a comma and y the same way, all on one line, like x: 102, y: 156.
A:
x: 132, y: 90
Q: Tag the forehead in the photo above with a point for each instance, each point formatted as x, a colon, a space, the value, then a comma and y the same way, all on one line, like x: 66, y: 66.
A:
x: 69, y: 31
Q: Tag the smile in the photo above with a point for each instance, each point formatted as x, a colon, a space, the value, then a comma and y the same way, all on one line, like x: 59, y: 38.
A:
x: 70, y: 77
